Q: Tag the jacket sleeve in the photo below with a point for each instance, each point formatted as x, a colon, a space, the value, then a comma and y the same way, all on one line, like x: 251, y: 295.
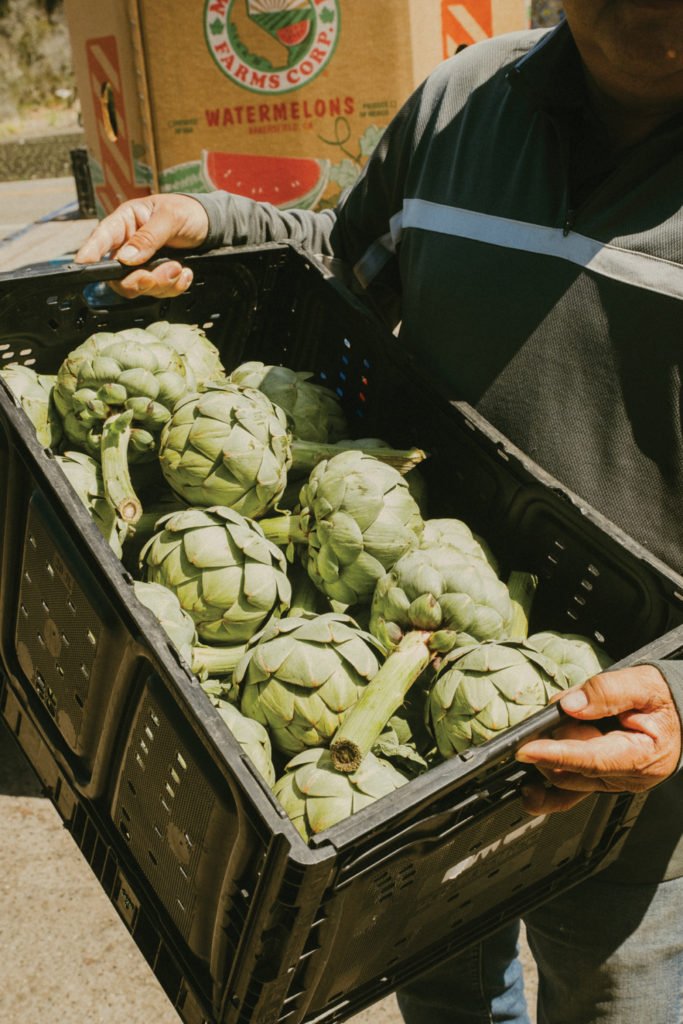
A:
x: 357, y: 232
x: 673, y: 674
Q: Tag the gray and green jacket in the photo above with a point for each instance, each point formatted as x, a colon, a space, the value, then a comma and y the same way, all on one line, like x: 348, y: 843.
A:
x: 539, y: 279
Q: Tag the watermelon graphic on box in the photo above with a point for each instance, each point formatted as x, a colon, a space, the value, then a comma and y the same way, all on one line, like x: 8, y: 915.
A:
x: 285, y: 181
x: 290, y: 21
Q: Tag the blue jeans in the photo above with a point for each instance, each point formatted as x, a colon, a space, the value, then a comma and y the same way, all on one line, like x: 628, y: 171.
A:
x: 605, y: 952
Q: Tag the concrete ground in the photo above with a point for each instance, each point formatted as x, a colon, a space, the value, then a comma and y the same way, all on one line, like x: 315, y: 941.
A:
x: 65, y: 952
x: 38, y: 221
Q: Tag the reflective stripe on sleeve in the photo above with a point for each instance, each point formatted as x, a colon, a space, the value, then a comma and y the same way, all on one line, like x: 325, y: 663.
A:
x: 611, y: 261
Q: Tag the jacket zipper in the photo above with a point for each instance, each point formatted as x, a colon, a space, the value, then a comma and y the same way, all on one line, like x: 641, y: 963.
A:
x: 569, y: 214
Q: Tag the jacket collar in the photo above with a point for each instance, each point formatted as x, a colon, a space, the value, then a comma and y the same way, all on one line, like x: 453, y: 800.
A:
x: 552, y: 76
x: 551, y: 73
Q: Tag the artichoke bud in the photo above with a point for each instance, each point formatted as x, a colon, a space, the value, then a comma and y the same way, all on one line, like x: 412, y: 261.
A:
x: 112, y: 394
x: 84, y: 399
x: 481, y: 690
x: 164, y: 604
x: 578, y: 656
x: 313, y: 411
x: 301, y: 676
x: 75, y: 429
x: 192, y: 344
x: 472, y: 694
x: 444, y: 640
x: 101, y: 369
x: 425, y: 612
x: 250, y: 735
x: 387, y: 631
x: 142, y: 442
x: 226, y: 574
x: 316, y: 796
x: 395, y: 602
x: 108, y: 372
x: 35, y: 393
x: 425, y: 579
x: 171, y: 388
x: 135, y: 359
x: 139, y: 382
x: 226, y: 446
x: 95, y: 411
x: 150, y: 413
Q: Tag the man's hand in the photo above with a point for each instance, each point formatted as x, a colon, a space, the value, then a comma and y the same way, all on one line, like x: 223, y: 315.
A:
x: 136, y: 230
x: 641, y: 751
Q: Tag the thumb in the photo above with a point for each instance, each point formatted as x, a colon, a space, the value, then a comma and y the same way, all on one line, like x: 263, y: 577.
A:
x: 151, y: 236
x: 610, y: 694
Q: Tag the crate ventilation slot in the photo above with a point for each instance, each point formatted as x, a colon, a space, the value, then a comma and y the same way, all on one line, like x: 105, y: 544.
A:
x: 57, y: 631
x: 163, y: 807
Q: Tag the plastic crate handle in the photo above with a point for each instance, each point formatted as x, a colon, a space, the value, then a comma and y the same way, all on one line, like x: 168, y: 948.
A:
x: 85, y: 273
x: 112, y: 270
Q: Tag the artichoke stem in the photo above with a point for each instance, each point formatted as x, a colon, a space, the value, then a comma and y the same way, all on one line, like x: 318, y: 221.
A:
x: 284, y: 530
x: 522, y: 587
x: 306, y: 597
x: 216, y: 661
x: 307, y: 454
x: 383, y: 695
x: 146, y: 525
x: 118, y: 487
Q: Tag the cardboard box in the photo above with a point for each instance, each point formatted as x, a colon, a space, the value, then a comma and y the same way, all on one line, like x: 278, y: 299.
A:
x: 282, y: 100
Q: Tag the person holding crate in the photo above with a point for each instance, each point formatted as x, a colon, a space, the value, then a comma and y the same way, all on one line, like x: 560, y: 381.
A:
x: 521, y: 219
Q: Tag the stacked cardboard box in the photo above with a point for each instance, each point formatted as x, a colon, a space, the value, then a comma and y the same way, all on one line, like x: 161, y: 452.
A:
x: 282, y: 100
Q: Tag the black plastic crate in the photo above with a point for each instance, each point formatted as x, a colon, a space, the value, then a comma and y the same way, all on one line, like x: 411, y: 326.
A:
x: 240, y: 920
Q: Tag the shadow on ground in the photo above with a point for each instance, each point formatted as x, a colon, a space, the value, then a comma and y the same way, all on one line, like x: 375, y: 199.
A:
x: 17, y: 778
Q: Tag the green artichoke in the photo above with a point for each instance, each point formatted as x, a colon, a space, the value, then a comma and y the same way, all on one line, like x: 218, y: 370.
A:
x: 193, y: 346
x: 431, y: 601
x: 145, y: 528
x: 301, y: 675
x: 481, y: 690
x: 314, y: 412
x: 439, y: 589
x: 230, y: 445
x: 34, y: 392
x: 251, y: 736
x: 114, y: 373
x: 315, y: 796
x: 204, y: 660
x: 85, y: 476
x: 226, y: 575
x: 454, y: 533
x: 227, y: 446
x: 164, y: 604
x: 578, y: 656
x: 371, y: 445
x: 359, y: 518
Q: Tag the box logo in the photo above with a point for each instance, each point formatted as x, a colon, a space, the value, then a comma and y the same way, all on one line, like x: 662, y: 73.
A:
x: 271, y: 46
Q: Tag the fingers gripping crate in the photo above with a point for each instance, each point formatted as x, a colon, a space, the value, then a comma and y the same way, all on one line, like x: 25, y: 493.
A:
x: 240, y: 920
